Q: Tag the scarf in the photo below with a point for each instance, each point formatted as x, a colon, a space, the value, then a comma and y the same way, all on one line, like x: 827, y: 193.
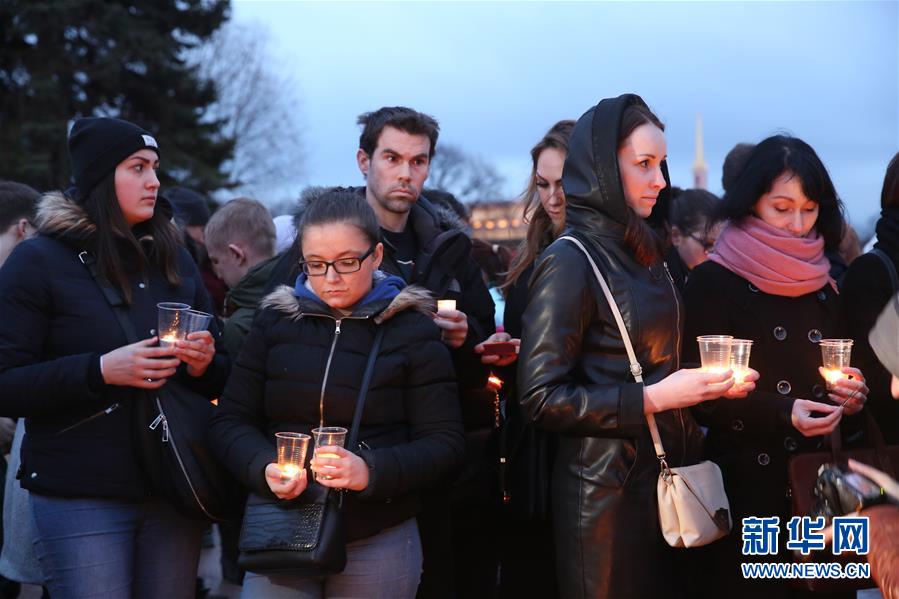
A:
x: 773, y: 260
x: 888, y: 232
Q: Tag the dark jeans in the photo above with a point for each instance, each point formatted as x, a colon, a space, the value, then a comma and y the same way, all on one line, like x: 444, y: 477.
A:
x: 113, y: 549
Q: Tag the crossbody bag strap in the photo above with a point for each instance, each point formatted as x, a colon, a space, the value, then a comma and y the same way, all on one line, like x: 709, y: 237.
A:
x: 635, y: 367
x: 112, y: 296
x: 891, y: 268
x: 363, y: 389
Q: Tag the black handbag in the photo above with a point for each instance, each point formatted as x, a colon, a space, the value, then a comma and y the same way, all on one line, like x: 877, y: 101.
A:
x: 170, y: 425
x: 303, y: 536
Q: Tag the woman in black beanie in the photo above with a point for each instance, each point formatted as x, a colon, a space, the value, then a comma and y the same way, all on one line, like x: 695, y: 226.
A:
x: 67, y: 367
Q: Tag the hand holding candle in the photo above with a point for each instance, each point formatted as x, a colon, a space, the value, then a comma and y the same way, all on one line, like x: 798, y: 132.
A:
x: 715, y: 352
x: 330, y: 437
x: 170, y: 318
x: 291, y: 449
x: 338, y: 468
x: 453, y: 323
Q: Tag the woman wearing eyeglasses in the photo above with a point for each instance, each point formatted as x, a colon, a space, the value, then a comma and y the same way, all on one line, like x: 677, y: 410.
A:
x: 692, y: 232
x: 302, y: 364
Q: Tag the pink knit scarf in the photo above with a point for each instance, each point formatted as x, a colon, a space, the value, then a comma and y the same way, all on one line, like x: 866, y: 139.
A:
x: 773, y: 260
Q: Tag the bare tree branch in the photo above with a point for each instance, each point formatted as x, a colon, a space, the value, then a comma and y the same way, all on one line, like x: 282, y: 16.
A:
x: 470, y: 178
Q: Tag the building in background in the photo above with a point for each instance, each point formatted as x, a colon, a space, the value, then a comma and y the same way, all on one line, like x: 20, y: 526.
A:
x: 498, y: 222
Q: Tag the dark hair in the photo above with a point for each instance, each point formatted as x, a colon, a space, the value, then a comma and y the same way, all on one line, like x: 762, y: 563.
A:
x: 769, y: 160
x: 445, y: 199
x: 492, y: 258
x: 16, y: 201
x: 118, y: 246
x: 638, y: 235
x: 691, y: 210
x: 398, y: 117
x: 734, y: 163
x: 340, y: 205
x: 889, y: 195
x: 540, y: 226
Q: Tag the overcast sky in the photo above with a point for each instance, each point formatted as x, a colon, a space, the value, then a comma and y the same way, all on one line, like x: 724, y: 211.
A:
x: 497, y: 74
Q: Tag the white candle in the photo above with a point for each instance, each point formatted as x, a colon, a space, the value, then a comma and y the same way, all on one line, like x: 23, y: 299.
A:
x: 289, y: 471
x: 446, y: 304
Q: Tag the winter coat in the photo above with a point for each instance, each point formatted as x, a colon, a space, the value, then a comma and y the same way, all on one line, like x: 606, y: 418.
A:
x: 241, y: 302
x: 574, y: 379
x: 865, y: 291
x: 753, y: 438
x: 411, y: 430
x: 56, y: 324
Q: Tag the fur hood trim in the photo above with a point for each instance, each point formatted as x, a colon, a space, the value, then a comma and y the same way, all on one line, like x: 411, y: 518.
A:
x: 58, y: 215
x: 412, y: 297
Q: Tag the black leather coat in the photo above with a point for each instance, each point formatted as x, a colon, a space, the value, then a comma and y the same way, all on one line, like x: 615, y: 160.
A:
x: 574, y: 379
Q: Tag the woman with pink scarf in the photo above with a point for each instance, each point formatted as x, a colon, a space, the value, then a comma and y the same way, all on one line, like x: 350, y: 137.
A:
x: 767, y: 280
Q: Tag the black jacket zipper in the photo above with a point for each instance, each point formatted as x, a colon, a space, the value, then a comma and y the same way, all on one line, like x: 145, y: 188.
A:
x: 83, y: 421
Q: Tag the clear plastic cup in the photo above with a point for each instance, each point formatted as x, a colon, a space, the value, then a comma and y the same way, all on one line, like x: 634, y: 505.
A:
x: 328, y: 436
x: 739, y: 358
x: 292, y: 449
x: 835, y: 355
x: 715, y: 352
x: 170, y: 322
x: 195, y: 321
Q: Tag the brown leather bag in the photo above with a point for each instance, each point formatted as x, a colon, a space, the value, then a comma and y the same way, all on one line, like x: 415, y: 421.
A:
x: 803, y: 475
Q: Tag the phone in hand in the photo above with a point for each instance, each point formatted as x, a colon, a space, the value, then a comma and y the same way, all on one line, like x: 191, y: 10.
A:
x: 500, y: 348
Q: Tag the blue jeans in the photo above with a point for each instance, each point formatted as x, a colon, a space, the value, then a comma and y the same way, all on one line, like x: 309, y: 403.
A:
x: 113, y: 549
x: 383, y: 566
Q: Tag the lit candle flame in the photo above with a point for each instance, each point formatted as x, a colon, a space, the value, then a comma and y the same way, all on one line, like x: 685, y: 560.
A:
x: 289, y: 471
x: 494, y: 382
x: 446, y: 304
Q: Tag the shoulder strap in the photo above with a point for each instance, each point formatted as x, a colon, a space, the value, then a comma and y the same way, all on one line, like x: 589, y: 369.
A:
x: 636, y: 369
x: 891, y: 268
x: 112, y: 296
x: 363, y: 388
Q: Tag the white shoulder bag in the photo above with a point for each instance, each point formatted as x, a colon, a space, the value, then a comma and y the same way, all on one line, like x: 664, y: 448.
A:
x: 693, y: 507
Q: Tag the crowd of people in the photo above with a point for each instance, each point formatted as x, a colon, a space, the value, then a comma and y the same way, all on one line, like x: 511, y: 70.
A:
x: 459, y: 485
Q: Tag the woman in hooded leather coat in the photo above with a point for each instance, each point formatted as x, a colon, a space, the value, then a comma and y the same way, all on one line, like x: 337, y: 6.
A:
x: 574, y: 377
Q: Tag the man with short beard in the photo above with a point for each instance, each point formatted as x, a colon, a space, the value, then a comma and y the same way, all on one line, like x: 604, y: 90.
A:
x: 426, y: 245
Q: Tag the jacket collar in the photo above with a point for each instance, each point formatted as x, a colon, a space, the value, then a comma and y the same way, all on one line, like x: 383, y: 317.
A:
x: 295, y: 304
x: 61, y: 217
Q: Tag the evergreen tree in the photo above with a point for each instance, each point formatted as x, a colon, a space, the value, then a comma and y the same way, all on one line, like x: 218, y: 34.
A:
x: 64, y: 59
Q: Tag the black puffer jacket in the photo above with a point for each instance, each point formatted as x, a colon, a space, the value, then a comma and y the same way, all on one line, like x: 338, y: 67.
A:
x: 574, y: 379
x: 54, y: 327
x: 411, y: 430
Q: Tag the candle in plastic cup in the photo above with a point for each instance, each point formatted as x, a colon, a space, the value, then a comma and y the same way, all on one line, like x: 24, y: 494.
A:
x: 835, y: 354
x: 739, y: 358
x: 291, y: 453
x: 446, y: 304
x: 715, y: 352
x: 328, y: 436
x: 170, y: 319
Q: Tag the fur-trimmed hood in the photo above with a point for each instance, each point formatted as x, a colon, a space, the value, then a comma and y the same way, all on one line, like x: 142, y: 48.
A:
x: 60, y: 216
x: 284, y: 300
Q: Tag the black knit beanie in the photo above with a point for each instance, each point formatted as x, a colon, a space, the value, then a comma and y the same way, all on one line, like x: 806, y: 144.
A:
x: 189, y: 207
x: 98, y: 145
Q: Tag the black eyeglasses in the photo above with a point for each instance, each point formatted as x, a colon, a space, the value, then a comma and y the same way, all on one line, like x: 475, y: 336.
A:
x: 705, y: 243
x: 343, y: 266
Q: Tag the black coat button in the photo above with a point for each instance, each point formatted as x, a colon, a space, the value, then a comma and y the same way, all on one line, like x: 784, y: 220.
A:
x: 142, y: 286
x: 784, y: 387
x: 818, y: 391
x: 753, y: 288
x: 821, y: 295
x: 737, y: 425
x: 779, y: 332
x: 764, y: 459
x: 791, y: 444
x: 814, y: 335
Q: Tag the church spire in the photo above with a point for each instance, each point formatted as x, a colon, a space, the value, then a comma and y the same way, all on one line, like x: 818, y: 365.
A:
x: 700, y: 168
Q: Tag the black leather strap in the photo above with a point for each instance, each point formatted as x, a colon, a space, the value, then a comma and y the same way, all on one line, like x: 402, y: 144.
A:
x: 112, y: 296
x: 891, y: 268
x: 363, y: 389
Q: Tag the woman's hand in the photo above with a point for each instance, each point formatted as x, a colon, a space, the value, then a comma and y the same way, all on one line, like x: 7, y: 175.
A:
x: 684, y: 388
x: 197, y: 352
x: 138, y: 365
x: 347, y: 471
x: 886, y: 482
x: 811, y: 426
x: 285, y: 488
x: 742, y: 389
x: 453, y: 327
x: 494, y: 359
x: 851, y: 393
